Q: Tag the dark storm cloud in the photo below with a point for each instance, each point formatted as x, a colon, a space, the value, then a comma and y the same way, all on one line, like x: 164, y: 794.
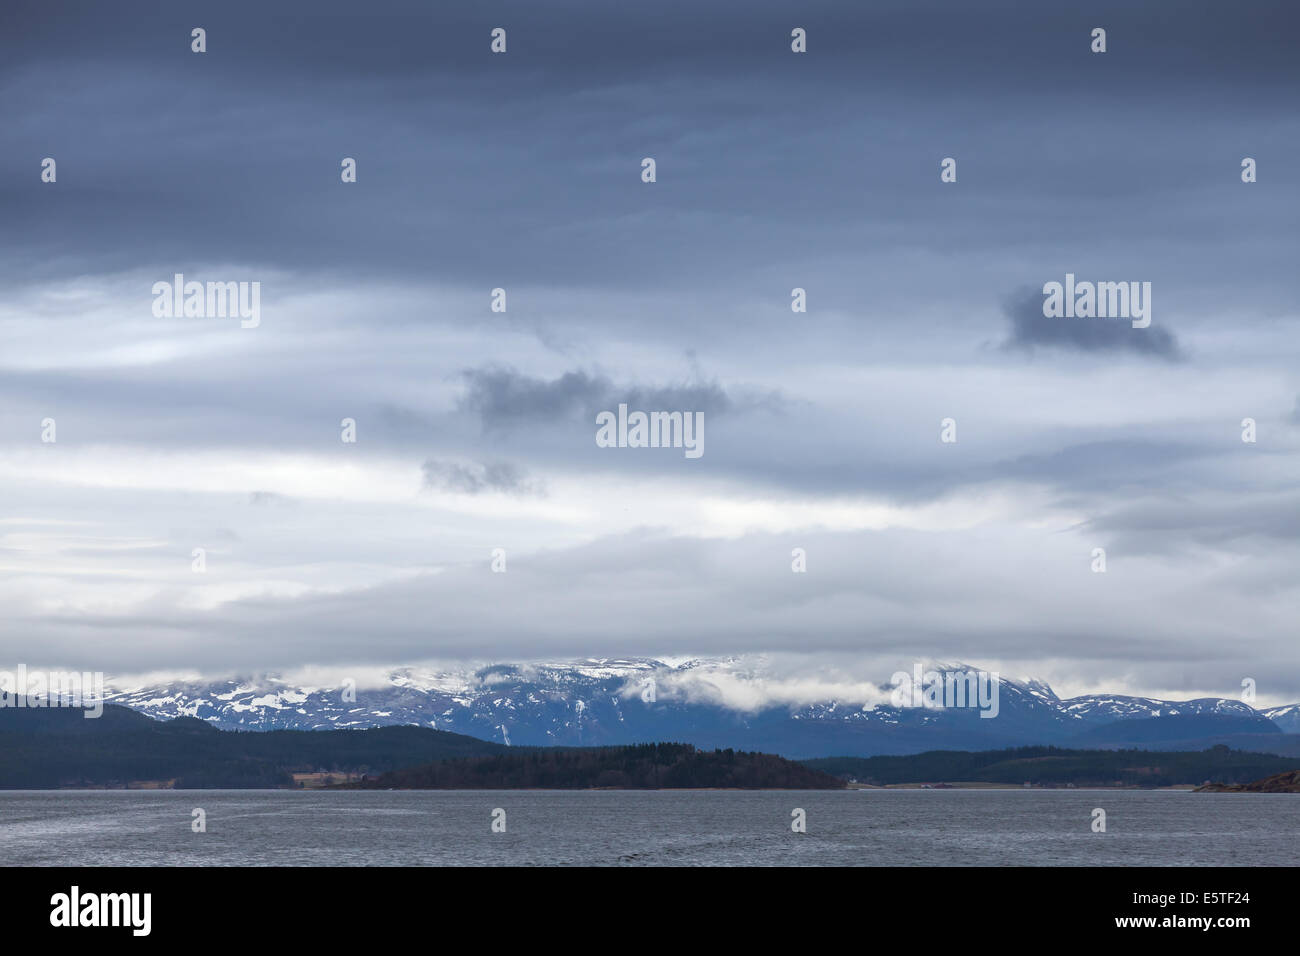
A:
x: 1031, y: 330
x: 405, y: 38
x: 502, y: 397
x: 472, y: 166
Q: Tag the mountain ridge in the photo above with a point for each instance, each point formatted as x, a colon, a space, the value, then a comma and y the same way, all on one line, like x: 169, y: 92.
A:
x: 611, y: 702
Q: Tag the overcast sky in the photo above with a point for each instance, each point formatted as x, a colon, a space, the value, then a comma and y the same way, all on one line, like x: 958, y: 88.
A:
x: 476, y: 429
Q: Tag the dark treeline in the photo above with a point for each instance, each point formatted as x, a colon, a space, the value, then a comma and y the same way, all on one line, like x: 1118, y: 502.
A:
x: 44, y: 748
x: 47, y: 748
x: 642, y: 766
x: 1056, y: 766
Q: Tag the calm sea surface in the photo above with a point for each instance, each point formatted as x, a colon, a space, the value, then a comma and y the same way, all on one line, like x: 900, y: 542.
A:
x: 867, y: 827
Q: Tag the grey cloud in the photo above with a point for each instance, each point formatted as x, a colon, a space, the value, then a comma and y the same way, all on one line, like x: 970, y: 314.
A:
x: 477, y: 478
x: 267, y: 498
x: 503, y: 397
x: 560, y: 123
x: 1174, y: 526
x: 775, y: 171
x: 1103, y: 466
x: 393, y: 37
x: 1030, y: 330
x: 645, y: 593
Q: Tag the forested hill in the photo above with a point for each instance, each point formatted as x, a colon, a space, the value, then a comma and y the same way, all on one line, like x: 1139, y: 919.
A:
x: 637, y: 767
x: 1056, y: 767
x: 1288, y: 782
x: 49, y: 748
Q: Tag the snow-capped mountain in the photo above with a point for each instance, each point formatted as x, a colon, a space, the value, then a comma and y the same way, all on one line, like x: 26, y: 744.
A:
x: 709, y: 703
x: 1106, y: 708
x: 1287, y: 717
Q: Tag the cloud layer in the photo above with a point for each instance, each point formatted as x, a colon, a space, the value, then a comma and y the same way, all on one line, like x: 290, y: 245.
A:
x: 475, y: 428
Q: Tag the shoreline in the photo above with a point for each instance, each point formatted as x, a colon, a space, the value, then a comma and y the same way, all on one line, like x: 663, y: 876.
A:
x: 966, y: 786
x: 981, y: 785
